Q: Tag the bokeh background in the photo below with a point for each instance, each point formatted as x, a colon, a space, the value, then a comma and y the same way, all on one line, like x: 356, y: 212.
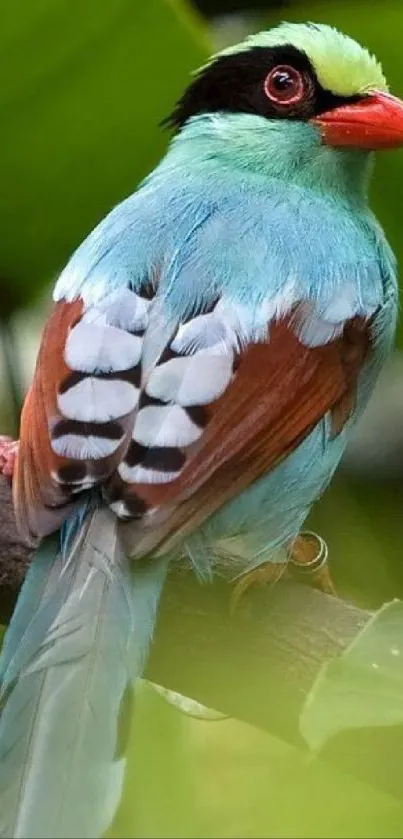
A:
x: 84, y: 86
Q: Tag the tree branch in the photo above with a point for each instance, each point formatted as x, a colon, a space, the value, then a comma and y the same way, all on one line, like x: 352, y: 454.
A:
x: 257, y: 665
x: 14, y: 555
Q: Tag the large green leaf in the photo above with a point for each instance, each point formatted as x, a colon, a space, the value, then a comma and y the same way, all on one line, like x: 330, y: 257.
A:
x: 363, y: 687
x: 84, y: 86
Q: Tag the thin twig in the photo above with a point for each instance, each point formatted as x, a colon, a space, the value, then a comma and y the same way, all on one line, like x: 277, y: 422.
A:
x: 13, y: 375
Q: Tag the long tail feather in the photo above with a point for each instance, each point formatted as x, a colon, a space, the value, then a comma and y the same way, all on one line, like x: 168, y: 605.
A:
x: 66, y: 674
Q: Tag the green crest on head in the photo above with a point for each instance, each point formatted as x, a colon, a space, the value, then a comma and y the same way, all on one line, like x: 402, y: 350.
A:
x: 341, y: 64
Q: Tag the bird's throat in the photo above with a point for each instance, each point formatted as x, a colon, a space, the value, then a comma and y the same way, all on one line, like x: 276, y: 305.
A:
x: 290, y: 152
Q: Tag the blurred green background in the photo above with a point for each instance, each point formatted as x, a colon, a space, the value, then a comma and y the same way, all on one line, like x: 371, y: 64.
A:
x: 84, y: 86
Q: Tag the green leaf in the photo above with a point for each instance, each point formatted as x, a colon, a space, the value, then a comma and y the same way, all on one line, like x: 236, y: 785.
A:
x: 363, y: 687
x: 84, y: 88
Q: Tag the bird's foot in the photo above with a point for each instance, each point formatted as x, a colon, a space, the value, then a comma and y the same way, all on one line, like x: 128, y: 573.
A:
x: 266, y: 574
x: 308, y: 562
x: 8, y: 454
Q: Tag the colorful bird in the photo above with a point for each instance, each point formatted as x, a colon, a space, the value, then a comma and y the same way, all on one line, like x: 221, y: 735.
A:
x: 210, y: 346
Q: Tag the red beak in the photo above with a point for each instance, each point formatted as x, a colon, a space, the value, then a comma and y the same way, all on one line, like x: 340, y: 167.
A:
x: 375, y: 122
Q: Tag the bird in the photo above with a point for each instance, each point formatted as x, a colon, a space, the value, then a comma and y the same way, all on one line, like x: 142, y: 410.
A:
x: 210, y: 346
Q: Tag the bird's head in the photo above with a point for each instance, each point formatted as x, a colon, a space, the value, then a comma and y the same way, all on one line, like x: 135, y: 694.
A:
x: 298, y: 85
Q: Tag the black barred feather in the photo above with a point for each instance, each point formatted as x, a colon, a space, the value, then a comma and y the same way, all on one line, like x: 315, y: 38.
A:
x: 191, y: 373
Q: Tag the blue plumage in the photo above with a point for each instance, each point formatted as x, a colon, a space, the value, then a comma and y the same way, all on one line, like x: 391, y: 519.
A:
x: 280, y: 238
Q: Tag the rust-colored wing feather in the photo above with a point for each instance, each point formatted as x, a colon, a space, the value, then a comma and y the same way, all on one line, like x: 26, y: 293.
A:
x: 78, y: 414
x: 35, y: 493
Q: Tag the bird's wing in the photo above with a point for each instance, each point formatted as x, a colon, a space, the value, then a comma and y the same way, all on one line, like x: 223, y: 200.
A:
x: 78, y: 416
x: 219, y: 408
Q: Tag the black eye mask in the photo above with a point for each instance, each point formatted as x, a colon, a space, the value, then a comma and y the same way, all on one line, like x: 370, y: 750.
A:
x: 235, y: 83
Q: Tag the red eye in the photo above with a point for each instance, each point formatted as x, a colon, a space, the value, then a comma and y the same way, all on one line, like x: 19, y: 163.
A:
x: 284, y: 85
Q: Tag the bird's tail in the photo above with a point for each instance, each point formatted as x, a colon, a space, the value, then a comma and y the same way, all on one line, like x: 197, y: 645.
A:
x: 78, y: 639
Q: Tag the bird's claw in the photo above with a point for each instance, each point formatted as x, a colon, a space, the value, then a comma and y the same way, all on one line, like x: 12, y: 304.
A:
x: 267, y: 574
x: 307, y: 562
x: 8, y: 454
